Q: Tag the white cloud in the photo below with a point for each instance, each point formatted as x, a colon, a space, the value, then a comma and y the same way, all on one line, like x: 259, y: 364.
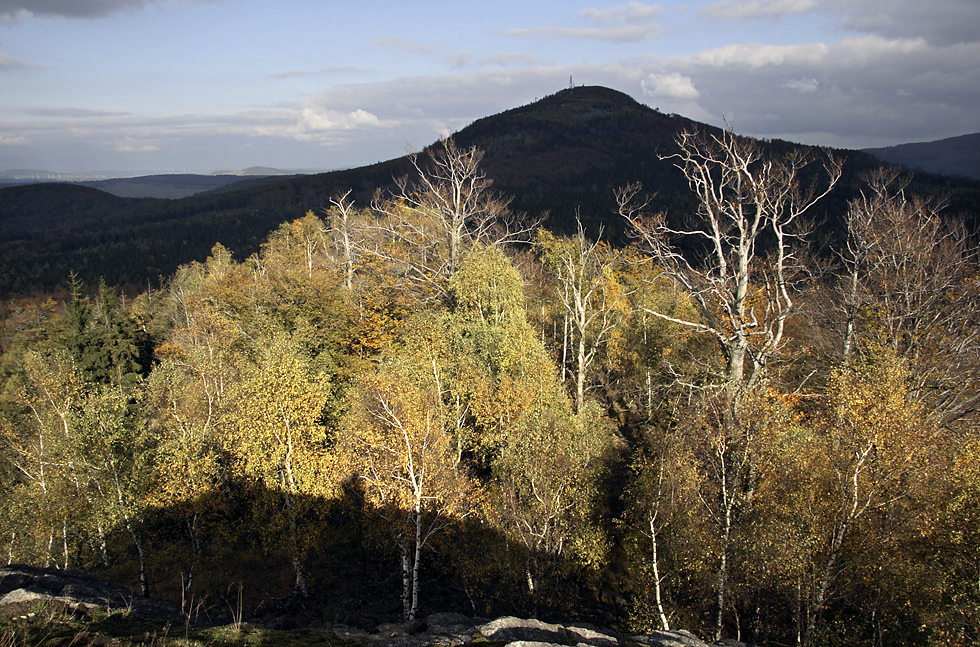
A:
x: 134, y: 147
x: 632, y: 13
x: 671, y: 85
x: 739, y: 9
x: 615, y: 34
x: 9, y: 139
x: 313, y: 120
x: 752, y: 55
x: 803, y: 86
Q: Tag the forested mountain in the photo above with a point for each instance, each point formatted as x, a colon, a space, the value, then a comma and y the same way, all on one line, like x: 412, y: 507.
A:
x: 749, y: 408
x: 951, y: 156
x: 564, y: 154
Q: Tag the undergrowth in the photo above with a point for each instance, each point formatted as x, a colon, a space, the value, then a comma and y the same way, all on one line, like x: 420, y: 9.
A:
x: 54, y: 625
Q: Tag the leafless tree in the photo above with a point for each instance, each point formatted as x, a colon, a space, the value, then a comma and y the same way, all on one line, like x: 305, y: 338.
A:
x: 750, y: 216
x: 342, y: 216
x: 910, y: 285
x: 449, y: 203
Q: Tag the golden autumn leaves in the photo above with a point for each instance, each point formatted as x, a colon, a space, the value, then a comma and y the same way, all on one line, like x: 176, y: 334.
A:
x: 726, y: 445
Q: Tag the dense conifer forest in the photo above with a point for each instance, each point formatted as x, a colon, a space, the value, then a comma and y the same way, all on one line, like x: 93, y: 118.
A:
x: 432, y: 401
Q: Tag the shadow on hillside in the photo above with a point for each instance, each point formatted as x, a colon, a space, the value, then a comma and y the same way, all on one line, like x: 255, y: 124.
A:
x: 227, y: 556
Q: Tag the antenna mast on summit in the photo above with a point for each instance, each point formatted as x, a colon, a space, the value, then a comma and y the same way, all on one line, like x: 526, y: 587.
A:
x: 571, y: 84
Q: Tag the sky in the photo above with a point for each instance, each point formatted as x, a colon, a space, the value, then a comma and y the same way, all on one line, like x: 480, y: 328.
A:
x: 137, y: 86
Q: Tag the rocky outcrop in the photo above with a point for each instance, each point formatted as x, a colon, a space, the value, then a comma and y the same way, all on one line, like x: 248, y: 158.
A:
x: 22, y: 586
x: 452, y: 630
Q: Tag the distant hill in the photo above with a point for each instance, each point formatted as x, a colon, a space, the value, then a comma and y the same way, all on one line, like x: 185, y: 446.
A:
x: 952, y: 156
x: 564, y: 154
x: 165, y: 186
x: 170, y: 185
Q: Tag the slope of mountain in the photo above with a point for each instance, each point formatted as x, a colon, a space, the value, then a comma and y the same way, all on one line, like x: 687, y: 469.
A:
x: 952, y: 156
x: 564, y: 154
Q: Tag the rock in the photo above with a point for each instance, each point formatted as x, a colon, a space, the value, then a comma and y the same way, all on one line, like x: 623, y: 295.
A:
x: 78, y: 591
x: 669, y: 639
x: 453, y: 623
x: 592, y: 636
x: 22, y: 586
x: 517, y: 632
x: 510, y: 629
x: 415, y: 627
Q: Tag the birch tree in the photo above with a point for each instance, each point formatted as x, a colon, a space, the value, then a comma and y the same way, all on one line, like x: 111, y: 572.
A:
x: 434, y: 216
x: 399, y: 441
x: 910, y: 285
x: 749, y: 224
x: 588, y: 288
x: 276, y: 435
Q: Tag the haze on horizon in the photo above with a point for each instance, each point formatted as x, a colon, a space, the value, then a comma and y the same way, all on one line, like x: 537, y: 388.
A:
x: 201, y: 85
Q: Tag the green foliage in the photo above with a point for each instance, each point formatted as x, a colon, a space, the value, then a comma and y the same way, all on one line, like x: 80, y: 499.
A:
x: 107, y: 344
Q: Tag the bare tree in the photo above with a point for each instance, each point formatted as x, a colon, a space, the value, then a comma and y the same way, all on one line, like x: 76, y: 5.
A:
x: 910, y: 285
x: 749, y: 219
x: 450, y: 203
x: 342, y: 216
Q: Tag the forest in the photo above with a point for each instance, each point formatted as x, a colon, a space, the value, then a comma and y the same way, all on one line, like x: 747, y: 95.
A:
x: 431, y: 402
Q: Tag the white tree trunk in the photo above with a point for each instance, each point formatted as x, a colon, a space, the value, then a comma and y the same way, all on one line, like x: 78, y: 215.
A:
x: 664, y: 624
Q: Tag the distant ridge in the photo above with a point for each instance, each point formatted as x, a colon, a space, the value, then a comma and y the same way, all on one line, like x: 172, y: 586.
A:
x: 167, y: 186
x: 565, y: 154
x: 951, y: 156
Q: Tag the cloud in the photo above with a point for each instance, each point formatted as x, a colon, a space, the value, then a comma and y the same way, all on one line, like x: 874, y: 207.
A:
x: 867, y: 90
x: 625, y: 23
x: 755, y: 55
x: 803, y: 86
x: 16, y: 10
x: 670, y: 86
x: 314, y: 120
x: 134, y: 147
x: 8, y: 62
x: 741, y: 9
x: 458, y: 60
x: 632, y: 13
x: 74, y: 113
x: 614, y: 34
x: 292, y: 74
x: 947, y: 23
x: 10, y: 139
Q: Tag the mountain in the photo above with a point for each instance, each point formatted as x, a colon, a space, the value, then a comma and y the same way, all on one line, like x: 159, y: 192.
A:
x: 167, y: 186
x: 564, y: 154
x: 952, y: 156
